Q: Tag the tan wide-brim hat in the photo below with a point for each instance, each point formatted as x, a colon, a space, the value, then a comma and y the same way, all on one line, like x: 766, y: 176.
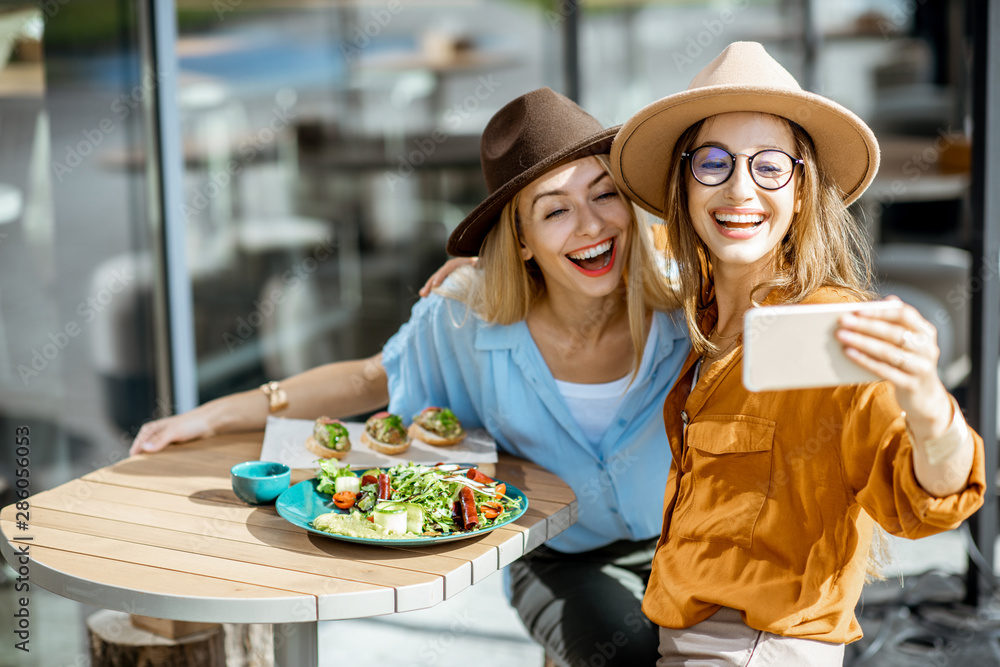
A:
x: 744, y: 77
x: 532, y: 134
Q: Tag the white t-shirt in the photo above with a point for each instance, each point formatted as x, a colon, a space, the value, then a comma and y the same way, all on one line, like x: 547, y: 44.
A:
x: 593, y: 406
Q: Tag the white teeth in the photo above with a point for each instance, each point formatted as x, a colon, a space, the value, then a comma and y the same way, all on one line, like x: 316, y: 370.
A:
x: 732, y: 217
x: 591, y: 252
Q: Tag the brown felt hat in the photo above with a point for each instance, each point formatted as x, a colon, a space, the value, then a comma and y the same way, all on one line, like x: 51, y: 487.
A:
x: 532, y: 134
x: 742, y: 78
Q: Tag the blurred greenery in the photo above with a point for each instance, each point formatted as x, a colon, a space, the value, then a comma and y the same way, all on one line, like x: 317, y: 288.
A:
x: 82, y: 23
x: 99, y: 24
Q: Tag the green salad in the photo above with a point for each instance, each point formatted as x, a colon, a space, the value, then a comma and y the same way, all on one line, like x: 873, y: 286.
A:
x: 411, y: 501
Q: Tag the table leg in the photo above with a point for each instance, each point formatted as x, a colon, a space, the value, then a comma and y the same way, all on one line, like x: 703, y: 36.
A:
x: 296, y: 644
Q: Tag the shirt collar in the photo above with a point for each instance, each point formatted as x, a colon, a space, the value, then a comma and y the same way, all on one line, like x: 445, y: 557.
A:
x: 501, y: 337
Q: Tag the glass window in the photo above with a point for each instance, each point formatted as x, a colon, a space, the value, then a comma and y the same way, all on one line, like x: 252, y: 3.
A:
x: 76, y: 278
x: 76, y: 352
x: 329, y: 151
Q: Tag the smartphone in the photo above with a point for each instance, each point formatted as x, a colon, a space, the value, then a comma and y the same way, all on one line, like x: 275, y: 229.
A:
x: 794, y: 347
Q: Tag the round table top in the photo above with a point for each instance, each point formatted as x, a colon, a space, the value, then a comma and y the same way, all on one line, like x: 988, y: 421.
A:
x: 163, y: 535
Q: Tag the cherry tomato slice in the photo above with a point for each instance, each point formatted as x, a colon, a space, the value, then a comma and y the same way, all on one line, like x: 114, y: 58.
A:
x: 345, y: 499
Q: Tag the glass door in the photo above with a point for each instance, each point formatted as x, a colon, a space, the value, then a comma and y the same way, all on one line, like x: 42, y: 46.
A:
x: 78, y: 230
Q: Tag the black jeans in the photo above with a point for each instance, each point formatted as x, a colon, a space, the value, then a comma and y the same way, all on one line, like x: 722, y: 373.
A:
x: 585, y: 608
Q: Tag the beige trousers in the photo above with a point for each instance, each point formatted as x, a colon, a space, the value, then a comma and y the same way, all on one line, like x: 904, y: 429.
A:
x: 725, y: 640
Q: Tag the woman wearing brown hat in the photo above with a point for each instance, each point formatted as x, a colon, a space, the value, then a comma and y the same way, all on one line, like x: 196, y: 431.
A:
x: 772, y: 497
x: 559, y: 344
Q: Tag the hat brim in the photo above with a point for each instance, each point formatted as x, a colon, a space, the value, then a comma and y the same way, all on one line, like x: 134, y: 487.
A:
x: 845, y: 145
x: 468, y: 236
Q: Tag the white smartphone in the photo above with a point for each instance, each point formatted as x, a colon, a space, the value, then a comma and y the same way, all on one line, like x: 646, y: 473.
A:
x: 794, y: 347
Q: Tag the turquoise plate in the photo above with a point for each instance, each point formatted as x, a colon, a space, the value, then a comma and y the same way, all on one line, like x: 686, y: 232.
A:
x: 301, y: 503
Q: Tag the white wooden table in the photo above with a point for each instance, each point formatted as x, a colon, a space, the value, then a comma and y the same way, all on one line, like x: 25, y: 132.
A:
x: 163, y: 535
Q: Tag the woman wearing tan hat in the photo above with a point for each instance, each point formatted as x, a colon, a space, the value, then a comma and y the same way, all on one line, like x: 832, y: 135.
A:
x: 560, y: 344
x: 772, y: 496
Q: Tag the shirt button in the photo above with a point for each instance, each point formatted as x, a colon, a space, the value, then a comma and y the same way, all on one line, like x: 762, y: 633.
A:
x: 614, y: 510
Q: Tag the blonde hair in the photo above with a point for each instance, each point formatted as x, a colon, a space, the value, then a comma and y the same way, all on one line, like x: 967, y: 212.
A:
x: 825, y: 245
x: 504, y: 287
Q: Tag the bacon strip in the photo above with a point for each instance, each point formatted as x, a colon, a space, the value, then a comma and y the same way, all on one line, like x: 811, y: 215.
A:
x: 469, y: 517
x: 477, y: 476
x: 384, y: 490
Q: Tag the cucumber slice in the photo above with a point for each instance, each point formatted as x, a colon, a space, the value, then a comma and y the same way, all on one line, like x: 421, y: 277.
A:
x: 414, y: 518
x: 391, y: 516
x: 348, y: 483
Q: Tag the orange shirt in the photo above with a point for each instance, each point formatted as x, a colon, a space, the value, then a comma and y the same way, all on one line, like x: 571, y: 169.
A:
x: 771, y: 495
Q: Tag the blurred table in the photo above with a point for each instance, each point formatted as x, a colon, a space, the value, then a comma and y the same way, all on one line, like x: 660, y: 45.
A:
x: 163, y: 535
x: 378, y: 154
x: 444, y: 59
x: 919, y: 171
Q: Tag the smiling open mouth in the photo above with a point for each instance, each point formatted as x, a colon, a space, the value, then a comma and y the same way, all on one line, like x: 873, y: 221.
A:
x: 594, y: 258
x: 733, y: 221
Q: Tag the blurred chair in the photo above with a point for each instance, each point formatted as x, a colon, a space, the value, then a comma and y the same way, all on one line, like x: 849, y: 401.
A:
x: 907, y: 101
x: 935, y: 280
x: 315, y: 316
x: 120, y: 337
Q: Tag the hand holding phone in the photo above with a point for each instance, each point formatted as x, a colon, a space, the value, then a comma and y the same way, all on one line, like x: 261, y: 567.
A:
x: 794, y: 347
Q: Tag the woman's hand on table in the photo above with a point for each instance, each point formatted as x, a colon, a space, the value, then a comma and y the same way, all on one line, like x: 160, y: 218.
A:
x: 446, y: 269
x: 155, y: 435
x: 900, y: 346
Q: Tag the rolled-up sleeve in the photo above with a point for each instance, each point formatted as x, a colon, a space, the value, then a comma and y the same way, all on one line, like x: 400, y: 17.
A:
x: 883, y: 477
x: 928, y: 514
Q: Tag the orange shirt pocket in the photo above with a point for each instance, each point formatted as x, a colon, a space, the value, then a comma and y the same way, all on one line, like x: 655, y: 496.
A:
x: 728, y: 470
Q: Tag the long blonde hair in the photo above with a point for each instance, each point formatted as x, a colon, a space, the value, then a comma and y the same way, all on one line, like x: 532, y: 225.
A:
x: 825, y: 245
x: 505, y: 287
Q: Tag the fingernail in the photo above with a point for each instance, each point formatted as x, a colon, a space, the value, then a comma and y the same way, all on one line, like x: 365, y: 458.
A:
x: 148, y: 446
x: 846, y: 336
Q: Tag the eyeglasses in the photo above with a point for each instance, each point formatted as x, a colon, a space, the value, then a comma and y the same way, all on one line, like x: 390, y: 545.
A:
x: 770, y: 169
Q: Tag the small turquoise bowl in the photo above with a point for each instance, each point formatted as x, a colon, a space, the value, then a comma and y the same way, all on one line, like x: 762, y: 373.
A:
x: 260, y: 482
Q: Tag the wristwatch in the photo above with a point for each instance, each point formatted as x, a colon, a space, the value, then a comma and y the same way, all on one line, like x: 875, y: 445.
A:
x: 277, y: 399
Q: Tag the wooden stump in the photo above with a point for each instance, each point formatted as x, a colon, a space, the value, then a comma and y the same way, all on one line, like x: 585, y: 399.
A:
x: 169, y: 628
x: 249, y: 645
x: 115, y: 642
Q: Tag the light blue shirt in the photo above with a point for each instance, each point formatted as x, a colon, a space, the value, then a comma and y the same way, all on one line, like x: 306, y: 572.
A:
x: 494, y: 376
